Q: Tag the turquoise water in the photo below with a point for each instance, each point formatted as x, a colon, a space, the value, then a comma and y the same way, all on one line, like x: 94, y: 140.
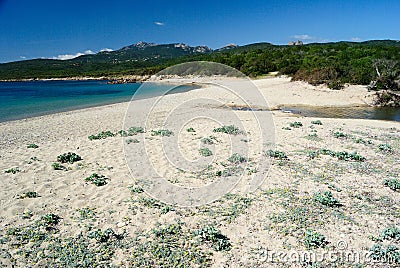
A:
x: 20, y: 100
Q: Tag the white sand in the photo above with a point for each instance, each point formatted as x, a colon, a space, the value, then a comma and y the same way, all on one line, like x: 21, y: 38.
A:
x: 63, y: 192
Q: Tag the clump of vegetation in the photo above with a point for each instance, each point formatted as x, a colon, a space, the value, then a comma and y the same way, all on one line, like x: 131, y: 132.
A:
x: 391, y: 233
x: 168, y: 246
x: 316, y: 122
x: 32, y: 145
x: 137, y: 189
x: 101, y: 135
x: 29, y: 195
x: 237, y: 159
x: 86, y: 213
x: 339, y: 134
x: 218, y: 241
x: 327, y: 199
x: 135, y: 130
x: 342, y: 155
x: 386, y: 148
x: 96, y: 179
x: 49, y: 221
x: 231, y: 129
x: 205, y: 152
x: 68, y: 158
x: 313, y: 239
x: 208, y: 140
x: 12, y: 170
x: 104, y: 236
x: 162, y: 132
x: 296, y: 124
x: 190, y: 130
x: 129, y: 141
x: 57, y: 166
x: 393, y: 184
x: 390, y: 254
x: 277, y: 154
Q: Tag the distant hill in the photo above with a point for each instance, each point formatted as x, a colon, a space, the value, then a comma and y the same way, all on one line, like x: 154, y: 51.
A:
x: 348, y: 62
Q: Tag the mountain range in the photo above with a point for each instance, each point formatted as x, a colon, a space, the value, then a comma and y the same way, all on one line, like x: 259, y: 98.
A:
x: 145, y: 58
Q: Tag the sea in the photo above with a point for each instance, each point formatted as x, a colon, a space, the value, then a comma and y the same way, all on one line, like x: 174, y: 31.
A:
x: 19, y: 100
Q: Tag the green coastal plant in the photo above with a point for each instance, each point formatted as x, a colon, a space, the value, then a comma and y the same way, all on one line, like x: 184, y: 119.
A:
x: 29, y: 195
x: 327, y: 199
x: 68, y: 158
x: 231, y: 129
x: 57, y: 166
x: 237, y: 159
x: 32, y: 145
x: 296, y: 124
x: 313, y: 240
x: 390, y: 254
x: 277, y: 154
x: 213, y: 236
x: 12, y: 170
x: 208, y: 140
x: 190, y: 130
x: 393, y: 184
x: 96, y: 179
x: 316, y: 122
x: 391, y: 233
x: 101, y: 135
x: 386, y: 148
x: 162, y: 132
x: 339, y: 134
x: 205, y: 152
x: 129, y: 141
x: 135, y: 130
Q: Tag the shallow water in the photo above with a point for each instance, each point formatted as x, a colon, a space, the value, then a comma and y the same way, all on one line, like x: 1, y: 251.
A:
x: 384, y: 113
x: 20, y: 100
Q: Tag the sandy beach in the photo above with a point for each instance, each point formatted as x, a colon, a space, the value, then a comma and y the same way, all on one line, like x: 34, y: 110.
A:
x: 274, y: 217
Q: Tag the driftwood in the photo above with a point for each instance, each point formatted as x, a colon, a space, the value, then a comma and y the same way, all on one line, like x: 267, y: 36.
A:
x: 387, y: 98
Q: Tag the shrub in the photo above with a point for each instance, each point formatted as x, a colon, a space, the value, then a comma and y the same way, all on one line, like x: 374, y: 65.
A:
x: 205, y: 152
x: 57, y: 166
x: 390, y: 254
x: 122, y: 133
x: 296, y: 124
x: 129, y: 141
x: 338, y: 134
x: 342, y: 155
x: 386, y: 148
x: 208, y: 140
x: 12, y: 170
x: 101, y: 135
x: 162, y: 132
x: 326, y: 199
x: 316, y: 122
x: 391, y: 233
x: 237, y: 159
x: 50, y: 220
x: 135, y: 130
x: 314, y: 239
x: 96, y: 179
x: 231, y: 129
x: 32, y: 145
x: 68, y: 158
x: 213, y: 236
x: 276, y: 154
x: 393, y: 184
x: 29, y: 195
x: 335, y: 85
x: 190, y: 130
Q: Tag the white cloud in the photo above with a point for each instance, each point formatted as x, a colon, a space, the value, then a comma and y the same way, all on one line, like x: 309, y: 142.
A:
x: 159, y: 23
x: 72, y: 56
x: 303, y: 37
x: 106, y: 50
x: 355, y: 39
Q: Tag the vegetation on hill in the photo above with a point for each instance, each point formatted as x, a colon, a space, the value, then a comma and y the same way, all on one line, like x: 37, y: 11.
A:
x: 331, y: 63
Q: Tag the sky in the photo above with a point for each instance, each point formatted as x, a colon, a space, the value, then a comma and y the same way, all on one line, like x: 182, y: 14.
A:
x: 63, y: 29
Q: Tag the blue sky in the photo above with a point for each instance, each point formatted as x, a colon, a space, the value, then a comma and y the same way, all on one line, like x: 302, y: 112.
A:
x: 57, y: 28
